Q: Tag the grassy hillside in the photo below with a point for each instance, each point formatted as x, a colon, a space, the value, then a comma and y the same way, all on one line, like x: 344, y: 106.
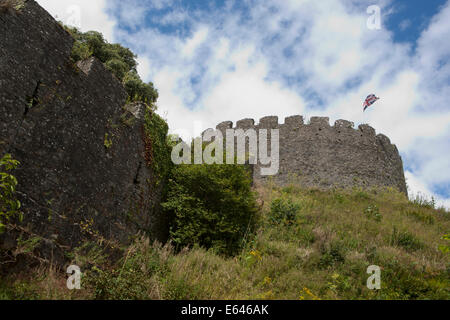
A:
x: 310, y: 244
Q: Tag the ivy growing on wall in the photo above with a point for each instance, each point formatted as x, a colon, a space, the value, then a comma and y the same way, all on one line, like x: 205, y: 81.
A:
x: 157, y: 148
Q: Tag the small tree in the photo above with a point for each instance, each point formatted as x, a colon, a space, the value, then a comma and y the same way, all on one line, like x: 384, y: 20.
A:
x: 138, y: 90
x: 119, y: 60
x: 212, y: 206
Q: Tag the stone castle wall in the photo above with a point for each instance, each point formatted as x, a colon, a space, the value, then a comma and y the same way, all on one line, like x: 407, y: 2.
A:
x: 324, y: 156
x: 82, y: 174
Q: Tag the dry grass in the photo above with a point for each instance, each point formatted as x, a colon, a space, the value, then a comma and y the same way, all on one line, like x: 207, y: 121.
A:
x: 323, y: 254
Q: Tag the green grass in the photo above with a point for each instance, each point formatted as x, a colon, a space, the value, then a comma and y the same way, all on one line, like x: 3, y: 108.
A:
x: 310, y: 245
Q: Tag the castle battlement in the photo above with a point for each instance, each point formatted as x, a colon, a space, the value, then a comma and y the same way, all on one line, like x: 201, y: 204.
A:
x: 322, y: 155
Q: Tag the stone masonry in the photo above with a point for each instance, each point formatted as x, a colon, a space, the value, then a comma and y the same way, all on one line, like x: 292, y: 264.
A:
x: 319, y: 155
x: 83, y: 174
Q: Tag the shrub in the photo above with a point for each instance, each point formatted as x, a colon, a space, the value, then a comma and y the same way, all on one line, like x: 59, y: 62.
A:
x: 117, y: 67
x: 211, y: 205
x: 81, y: 51
x: 283, y: 211
x: 9, y: 205
x: 132, y: 277
x: 138, y: 90
x: 119, y: 60
x: 332, y: 254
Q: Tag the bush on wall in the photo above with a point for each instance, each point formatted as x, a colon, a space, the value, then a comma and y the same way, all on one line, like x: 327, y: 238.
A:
x: 119, y: 60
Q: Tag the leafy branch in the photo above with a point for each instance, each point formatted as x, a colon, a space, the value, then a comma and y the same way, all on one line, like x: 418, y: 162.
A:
x: 9, y: 205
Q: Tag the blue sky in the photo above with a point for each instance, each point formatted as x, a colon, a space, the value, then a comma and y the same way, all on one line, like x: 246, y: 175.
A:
x: 227, y: 60
x: 410, y: 18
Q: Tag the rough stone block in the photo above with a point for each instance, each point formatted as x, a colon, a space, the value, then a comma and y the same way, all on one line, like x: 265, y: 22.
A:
x: 367, y: 130
x: 79, y: 161
x: 294, y: 121
x: 320, y: 121
x: 225, y: 125
x: 270, y: 122
x: 245, y: 124
x: 344, y: 124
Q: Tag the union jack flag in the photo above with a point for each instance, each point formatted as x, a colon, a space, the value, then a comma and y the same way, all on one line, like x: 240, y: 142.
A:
x: 370, y: 100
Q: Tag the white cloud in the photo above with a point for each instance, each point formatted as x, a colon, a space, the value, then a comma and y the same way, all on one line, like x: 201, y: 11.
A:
x: 433, y: 55
x: 431, y: 47
x: 193, y: 43
x: 416, y: 188
x: 143, y: 67
x: 84, y: 14
x: 130, y: 13
x: 297, y: 57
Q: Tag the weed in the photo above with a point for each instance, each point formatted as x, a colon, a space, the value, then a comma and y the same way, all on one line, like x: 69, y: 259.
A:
x: 283, y: 211
x: 335, y: 254
x: 107, y: 142
x: 405, y: 239
x: 372, y: 212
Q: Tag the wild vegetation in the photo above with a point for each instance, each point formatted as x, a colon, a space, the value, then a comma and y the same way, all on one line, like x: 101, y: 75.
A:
x: 158, y: 146
x: 9, y: 205
x: 119, y: 60
x: 308, y: 245
x: 212, y: 206
x: 230, y: 240
x: 11, y: 6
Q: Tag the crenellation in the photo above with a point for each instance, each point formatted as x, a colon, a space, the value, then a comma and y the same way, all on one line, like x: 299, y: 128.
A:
x: 397, y: 152
x: 245, y: 124
x: 334, y: 158
x: 384, y: 139
x: 294, y: 121
x: 367, y: 130
x: 270, y: 122
x: 79, y: 147
x: 225, y: 125
x: 209, y: 131
x: 320, y: 121
x: 343, y: 124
